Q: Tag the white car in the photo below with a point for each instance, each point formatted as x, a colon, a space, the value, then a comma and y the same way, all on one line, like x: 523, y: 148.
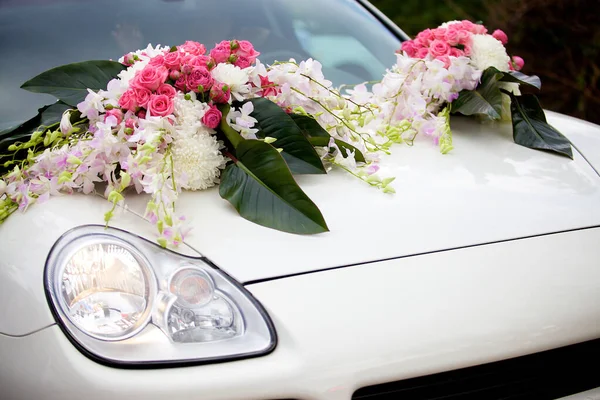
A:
x: 478, y: 279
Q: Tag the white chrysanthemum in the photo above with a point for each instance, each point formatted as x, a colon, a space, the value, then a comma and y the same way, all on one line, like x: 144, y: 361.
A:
x: 189, y: 113
x: 234, y: 77
x: 197, y: 161
x: 486, y: 51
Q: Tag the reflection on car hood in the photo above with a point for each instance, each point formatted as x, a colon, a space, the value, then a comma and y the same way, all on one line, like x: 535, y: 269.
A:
x: 487, y: 189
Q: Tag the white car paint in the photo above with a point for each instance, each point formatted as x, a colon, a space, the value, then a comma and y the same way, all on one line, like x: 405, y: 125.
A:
x: 343, y: 329
x: 491, y: 301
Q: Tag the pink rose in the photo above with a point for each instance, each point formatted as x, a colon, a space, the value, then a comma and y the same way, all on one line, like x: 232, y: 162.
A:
x: 192, y: 47
x: 199, y: 80
x: 181, y: 84
x: 174, y: 74
x: 160, y: 105
x: 246, y: 49
x: 172, y: 60
x: 128, y: 101
x: 426, y: 36
x: 142, y: 96
x: 439, y: 33
x: 479, y: 29
x: 451, y: 36
x: 157, y: 61
x: 141, y: 114
x: 128, y: 59
x: 467, y: 50
x: 409, y: 48
x: 500, y: 36
x: 439, y: 48
x: 167, y: 90
x: 150, y: 77
x: 114, y: 112
x: 198, y: 61
x: 221, y: 52
x: 220, y: 93
x: 463, y: 36
x: 454, y: 52
x: 518, y: 62
x: 242, y: 62
x: 212, y: 117
x: 130, y: 123
x: 422, y: 52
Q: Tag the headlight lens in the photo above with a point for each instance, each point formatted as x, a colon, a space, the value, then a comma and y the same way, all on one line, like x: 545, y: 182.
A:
x: 125, y: 300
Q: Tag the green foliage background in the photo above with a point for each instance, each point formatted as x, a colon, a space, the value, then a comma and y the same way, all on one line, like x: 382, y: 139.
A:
x: 558, y: 39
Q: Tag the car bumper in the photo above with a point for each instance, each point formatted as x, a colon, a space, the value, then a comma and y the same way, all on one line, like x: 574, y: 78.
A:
x: 343, y: 329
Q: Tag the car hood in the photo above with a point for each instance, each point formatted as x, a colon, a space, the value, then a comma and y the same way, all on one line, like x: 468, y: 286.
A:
x: 487, y: 189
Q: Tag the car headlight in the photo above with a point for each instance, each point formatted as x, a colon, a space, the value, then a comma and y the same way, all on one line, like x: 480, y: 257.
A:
x: 124, y: 300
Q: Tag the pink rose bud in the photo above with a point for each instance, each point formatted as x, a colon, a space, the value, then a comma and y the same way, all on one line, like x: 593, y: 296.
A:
x: 518, y: 62
x: 500, y: 36
x: 128, y: 59
x: 130, y: 123
x: 232, y: 58
x: 220, y: 93
x: 141, y: 114
x: 212, y: 117
x: 174, y: 74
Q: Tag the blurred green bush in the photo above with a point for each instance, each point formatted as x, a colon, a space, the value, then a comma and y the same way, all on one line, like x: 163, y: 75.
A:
x: 558, y: 39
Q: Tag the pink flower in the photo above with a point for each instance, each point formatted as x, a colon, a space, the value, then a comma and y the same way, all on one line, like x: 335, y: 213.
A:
x: 212, y: 117
x: 439, y: 48
x: 115, y: 112
x: 151, y: 77
x: 172, y: 60
x: 422, y: 52
x: 451, y: 36
x: 426, y: 36
x: 174, y: 74
x: 463, y: 36
x: 268, y: 88
x: 242, y: 62
x: 199, y: 80
x: 220, y: 93
x: 157, y: 61
x: 191, y: 47
x: 221, y: 52
x: 454, y: 52
x: 130, y: 123
x: 518, y: 62
x: 409, y: 48
x: 467, y: 50
x: 181, y: 84
x: 167, y: 90
x: 141, y: 114
x: 246, y: 49
x: 501, y: 36
x: 142, y: 96
x: 445, y: 59
x: 128, y: 100
x: 128, y: 59
x: 439, y: 33
x: 160, y: 105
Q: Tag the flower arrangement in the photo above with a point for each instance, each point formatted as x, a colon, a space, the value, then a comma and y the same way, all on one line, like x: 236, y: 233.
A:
x: 167, y: 119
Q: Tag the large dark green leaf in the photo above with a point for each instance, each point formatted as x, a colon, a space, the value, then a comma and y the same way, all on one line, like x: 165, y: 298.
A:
x: 260, y: 186
x: 530, y: 128
x: 519, y: 77
x: 320, y: 137
x: 486, y: 99
x: 69, y: 83
x: 300, y: 155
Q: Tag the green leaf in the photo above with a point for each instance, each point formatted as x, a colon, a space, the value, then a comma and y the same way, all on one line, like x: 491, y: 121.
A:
x: 69, y: 83
x: 300, y: 155
x: 262, y: 189
x: 320, y: 137
x: 486, y: 99
x: 530, y: 128
x: 519, y: 77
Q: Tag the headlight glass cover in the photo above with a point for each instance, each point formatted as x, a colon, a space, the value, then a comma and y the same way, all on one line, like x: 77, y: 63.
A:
x: 124, y: 300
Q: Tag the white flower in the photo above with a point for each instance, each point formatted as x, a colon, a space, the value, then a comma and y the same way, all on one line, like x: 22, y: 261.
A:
x: 234, y: 77
x: 65, y: 123
x: 242, y: 122
x: 487, y: 51
x: 446, y: 24
x: 197, y: 161
x: 91, y: 106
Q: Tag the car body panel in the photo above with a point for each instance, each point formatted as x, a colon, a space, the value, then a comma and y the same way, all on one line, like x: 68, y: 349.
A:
x: 343, y: 329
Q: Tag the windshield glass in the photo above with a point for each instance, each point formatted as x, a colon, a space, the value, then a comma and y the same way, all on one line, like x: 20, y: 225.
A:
x: 36, y: 35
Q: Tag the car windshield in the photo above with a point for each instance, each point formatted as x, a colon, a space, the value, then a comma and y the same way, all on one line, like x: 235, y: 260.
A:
x: 36, y: 35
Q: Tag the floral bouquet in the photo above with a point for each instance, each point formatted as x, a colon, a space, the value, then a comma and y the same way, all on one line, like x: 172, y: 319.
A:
x: 167, y: 119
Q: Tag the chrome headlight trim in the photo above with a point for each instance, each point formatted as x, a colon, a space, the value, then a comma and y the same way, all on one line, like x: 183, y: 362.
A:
x: 134, y: 351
